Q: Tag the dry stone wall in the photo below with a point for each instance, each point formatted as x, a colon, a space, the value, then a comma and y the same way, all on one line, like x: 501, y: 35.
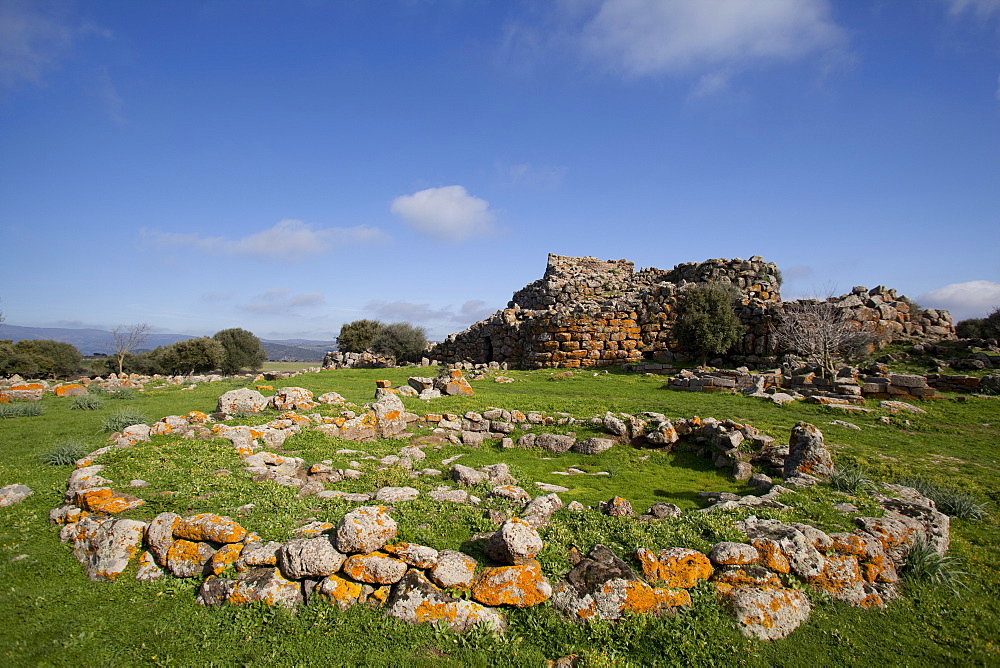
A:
x: 586, y: 312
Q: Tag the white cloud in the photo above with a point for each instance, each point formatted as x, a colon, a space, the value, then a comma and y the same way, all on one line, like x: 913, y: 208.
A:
x: 441, y: 320
x: 449, y: 213
x: 972, y: 299
x: 287, y: 240
x: 279, y: 301
x: 982, y: 8
x: 650, y: 37
x: 36, y: 37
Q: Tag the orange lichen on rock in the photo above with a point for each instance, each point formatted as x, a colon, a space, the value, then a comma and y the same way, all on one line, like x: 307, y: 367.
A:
x: 209, y: 526
x: 341, y: 592
x: 71, y: 390
x: 680, y: 568
x: 196, y: 417
x: 650, y: 564
x: 771, y: 555
x: 521, y: 586
x: 225, y: 555
x: 105, y: 500
x: 374, y: 568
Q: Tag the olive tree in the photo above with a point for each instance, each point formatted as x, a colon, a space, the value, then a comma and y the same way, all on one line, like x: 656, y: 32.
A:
x: 707, y: 323
x: 357, y: 336
x: 401, y: 340
x: 192, y: 356
x: 43, y: 357
x: 823, y: 333
x: 243, y: 350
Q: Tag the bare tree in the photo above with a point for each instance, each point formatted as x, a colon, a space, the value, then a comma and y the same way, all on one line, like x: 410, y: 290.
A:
x: 127, y: 338
x: 823, y: 333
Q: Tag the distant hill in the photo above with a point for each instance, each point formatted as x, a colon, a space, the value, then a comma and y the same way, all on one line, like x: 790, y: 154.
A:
x: 92, y: 342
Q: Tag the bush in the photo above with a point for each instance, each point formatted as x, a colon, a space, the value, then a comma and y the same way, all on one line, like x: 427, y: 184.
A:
x: 124, y: 393
x: 707, y: 324
x: 242, y: 350
x: 39, y: 357
x: 20, y: 409
x: 925, y: 565
x: 65, y: 454
x: 949, y: 500
x: 87, y: 402
x: 358, y: 336
x: 121, y: 419
x: 401, y: 340
x: 970, y: 329
x: 192, y: 356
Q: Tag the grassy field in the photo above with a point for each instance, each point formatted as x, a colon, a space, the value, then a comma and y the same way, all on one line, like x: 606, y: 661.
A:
x: 55, y: 616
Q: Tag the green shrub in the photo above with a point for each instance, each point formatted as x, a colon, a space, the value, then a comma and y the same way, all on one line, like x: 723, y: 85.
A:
x: 971, y: 328
x: 64, y: 454
x: 357, y: 336
x: 707, y: 324
x: 20, y: 409
x: 925, y: 566
x: 126, y: 393
x: 121, y: 419
x: 86, y: 402
x: 401, y: 340
x: 951, y: 501
x: 243, y: 350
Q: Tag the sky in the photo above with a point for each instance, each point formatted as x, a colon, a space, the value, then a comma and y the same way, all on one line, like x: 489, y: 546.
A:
x: 287, y: 167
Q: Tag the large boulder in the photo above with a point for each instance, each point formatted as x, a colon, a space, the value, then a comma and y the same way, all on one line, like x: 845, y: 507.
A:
x: 13, y: 494
x: 521, y: 586
x: 768, y: 614
x: 265, y: 585
x: 309, y: 558
x: 807, y: 453
x: 105, y: 547
x: 242, y: 400
x: 293, y: 398
x: 515, y: 542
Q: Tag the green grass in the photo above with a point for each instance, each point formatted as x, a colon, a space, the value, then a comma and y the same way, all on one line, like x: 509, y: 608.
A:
x: 60, y: 618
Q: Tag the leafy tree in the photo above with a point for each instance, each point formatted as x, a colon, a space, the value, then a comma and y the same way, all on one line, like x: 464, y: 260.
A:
x: 706, y: 323
x: 991, y: 325
x: 192, y: 356
x: 126, y: 338
x: 402, y: 340
x: 14, y: 361
x: 146, y: 363
x: 823, y: 333
x: 243, y: 350
x: 51, y: 358
x: 358, y: 336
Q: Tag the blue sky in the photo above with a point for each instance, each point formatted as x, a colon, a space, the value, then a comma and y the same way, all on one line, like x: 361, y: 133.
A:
x: 289, y: 166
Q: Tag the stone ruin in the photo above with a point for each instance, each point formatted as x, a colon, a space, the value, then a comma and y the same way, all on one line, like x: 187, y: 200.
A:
x: 586, y: 312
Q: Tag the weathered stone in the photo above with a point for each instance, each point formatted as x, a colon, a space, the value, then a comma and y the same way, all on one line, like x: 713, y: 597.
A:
x: 513, y: 543
x: 592, y: 446
x: 106, y: 501
x: 105, y: 547
x: 365, y: 529
x: 187, y: 559
x: 265, y: 585
x: 258, y: 553
x: 467, y: 476
x: 292, y: 398
x: 768, y: 614
x: 617, y: 507
x: 733, y: 554
x: 242, y: 400
x: 396, y: 494
x: 662, y: 510
x: 214, y: 591
x: 309, y: 558
x: 419, y: 556
x: 521, y: 586
x: 417, y: 601
x: 13, y: 494
x: 375, y: 568
x: 807, y: 453
x: 511, y: 492
x: 341, y: 592
x: 453, y: 569
x: 555, y: 443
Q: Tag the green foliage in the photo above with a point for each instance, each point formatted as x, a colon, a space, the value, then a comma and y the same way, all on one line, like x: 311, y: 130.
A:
x: 925, y: 565
x: 146, y: 363
x: 64, y: 454
x: 86, y: 402
x: 949, y: 500
x: 243, y: 350
x: 39, y: 357
x: 707, y: 324
x: 971, y: 328
x: 192, y: 356
x: 357, y: 336
x: 402, y: 340
x: 20, y: 409
x: 991, y: 325
x: 121, y: 419
x: 122, y: 394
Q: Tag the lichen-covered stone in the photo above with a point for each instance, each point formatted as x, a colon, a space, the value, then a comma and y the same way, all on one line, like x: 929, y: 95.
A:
x: 341, y: 592
x: 309, y: 558
x: 807, y: 453
x: 768, y: 614
x: 14, y: 494
x: 106, y: 501
x: 148, y: 568
x: 242, y: 400
x: 375, y: 568
x: 365, y: 529
x: 681, y: 568
x: 160, y: 535
x: 106, y: 547
x: 733, y: 554
x: 187, y: 559
x: 521, y: 586
x: 223, y: 557
x: 514, y: 542
x: 258, y: 553
x: 417, y: 601
x: 265, y: 585
x: 453, y: 569
x: 419, y: 556
x: 209, y: 526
